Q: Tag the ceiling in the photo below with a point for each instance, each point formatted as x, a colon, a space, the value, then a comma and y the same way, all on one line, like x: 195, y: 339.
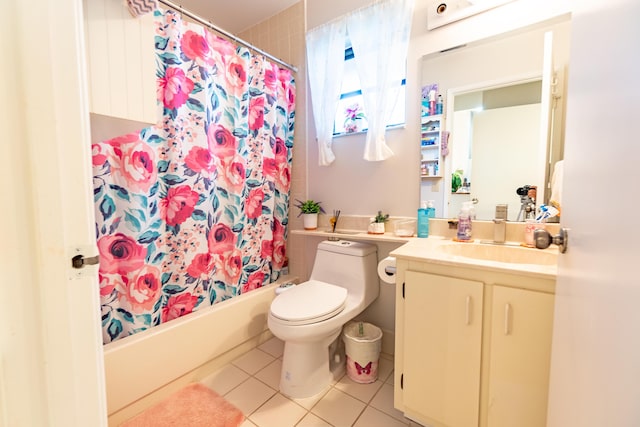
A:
x: 234, y: 16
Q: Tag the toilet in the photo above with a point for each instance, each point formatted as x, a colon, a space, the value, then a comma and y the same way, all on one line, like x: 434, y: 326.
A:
x: 309, y: 317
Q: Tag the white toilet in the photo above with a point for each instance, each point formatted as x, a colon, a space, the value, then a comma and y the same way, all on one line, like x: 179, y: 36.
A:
x: 309, y: 317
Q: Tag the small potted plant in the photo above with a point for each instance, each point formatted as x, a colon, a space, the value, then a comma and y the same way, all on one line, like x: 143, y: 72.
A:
x: 377, y: 223
x: 309, y: 209
x: 353, y: 118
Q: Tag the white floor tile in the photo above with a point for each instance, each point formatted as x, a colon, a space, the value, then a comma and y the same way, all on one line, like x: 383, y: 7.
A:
x: 310, y: 402
x: 278, y: 412
x: 385, y: 368
x: 311, y: 420
x: 226, y: 379
x: 383, y: 401
x: 250, y: 395
x: 251, y: 383
x: 274, y: 347
x: 371, y: 417
x: 338, y: 408
x: 254, y: 360
x: 270, y: 374
x: 391, y: 379
x: 363, y: 392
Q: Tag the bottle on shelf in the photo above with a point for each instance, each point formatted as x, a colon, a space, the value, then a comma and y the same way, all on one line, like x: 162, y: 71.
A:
x: 432, y: 102
x: 439, y: 104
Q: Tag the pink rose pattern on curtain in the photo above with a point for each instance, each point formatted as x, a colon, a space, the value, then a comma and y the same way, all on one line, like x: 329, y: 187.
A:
x: 193, y: 211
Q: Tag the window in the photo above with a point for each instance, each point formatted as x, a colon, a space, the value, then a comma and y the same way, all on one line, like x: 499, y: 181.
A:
x: 351, y: 98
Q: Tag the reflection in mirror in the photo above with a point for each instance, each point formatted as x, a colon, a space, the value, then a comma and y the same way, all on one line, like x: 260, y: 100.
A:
x: 499, y: 127
x: 495, y: 115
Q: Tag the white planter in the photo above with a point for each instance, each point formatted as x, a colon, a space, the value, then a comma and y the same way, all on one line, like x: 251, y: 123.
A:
x: 310, y: 221
x: 376, y: 228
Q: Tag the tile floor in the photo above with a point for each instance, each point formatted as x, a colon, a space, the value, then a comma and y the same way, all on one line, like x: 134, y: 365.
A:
x: 251, y: 384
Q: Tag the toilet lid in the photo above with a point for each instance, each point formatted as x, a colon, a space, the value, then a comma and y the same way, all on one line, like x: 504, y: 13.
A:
x: 309, y: 302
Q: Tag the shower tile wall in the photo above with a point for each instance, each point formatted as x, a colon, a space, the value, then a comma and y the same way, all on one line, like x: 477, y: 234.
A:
x: 282, y: 36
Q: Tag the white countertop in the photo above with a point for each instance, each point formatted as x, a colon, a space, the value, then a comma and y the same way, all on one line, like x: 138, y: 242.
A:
x: 510, y: 258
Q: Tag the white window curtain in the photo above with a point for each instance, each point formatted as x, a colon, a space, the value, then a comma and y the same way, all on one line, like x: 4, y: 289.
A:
x: 380, y: 38
x: 325, y: 60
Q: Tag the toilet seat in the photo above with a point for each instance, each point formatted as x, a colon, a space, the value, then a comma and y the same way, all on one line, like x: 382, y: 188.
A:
x: 309, y: 302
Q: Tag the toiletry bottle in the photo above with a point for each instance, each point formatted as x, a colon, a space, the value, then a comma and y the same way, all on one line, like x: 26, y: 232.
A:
x: 464, y: 224
x: 432, y: 102
x: 423, y: 220
x: 439, y: 105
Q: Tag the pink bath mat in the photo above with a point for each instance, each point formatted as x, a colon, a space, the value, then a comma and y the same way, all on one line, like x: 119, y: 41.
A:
x: 192, y: 406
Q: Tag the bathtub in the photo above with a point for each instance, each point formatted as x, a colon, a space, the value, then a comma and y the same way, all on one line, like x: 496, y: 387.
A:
x: 185, y: 349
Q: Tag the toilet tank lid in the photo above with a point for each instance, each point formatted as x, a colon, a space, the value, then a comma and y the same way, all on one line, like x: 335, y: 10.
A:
x: 347, y: 247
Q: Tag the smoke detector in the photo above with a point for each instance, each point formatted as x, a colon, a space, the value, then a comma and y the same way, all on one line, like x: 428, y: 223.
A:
x: 443, y: 12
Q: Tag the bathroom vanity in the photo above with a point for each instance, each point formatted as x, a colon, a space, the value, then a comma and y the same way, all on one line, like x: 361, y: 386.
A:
x: 473, y: 333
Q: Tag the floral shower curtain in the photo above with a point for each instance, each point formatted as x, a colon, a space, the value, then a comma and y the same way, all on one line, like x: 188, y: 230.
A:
x: 193, y: 210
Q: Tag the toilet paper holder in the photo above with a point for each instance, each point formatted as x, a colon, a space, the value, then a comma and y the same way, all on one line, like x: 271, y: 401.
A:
x: 387, y: 270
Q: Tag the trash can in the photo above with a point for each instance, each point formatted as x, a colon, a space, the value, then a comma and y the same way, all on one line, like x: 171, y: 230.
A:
x: 363, y: 342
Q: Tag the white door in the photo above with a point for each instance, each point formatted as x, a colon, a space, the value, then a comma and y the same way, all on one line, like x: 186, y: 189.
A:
x: 595, y: 366
x: 508, y: 137
x: 51, y: 366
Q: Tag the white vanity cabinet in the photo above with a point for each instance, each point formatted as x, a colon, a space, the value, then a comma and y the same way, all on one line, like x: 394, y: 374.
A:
x: 521, y: 327
x: 442, y: 347
x: 473, y: 346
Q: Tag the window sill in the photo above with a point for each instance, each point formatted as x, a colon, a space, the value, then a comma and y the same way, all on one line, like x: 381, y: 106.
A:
x: 363, y: 132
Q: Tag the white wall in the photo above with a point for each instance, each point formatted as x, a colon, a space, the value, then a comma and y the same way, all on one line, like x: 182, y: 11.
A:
x: 358, y: 187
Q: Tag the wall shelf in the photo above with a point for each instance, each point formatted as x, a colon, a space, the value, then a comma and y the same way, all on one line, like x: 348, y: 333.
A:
x: 430, y: 149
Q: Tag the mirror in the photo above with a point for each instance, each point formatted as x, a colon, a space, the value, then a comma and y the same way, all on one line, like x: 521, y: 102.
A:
x: 497, y: 120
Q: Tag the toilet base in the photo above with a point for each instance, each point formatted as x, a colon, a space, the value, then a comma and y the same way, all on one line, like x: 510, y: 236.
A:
x: 306, y: 370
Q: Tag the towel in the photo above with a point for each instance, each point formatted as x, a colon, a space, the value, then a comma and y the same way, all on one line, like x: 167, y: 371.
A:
x: 556, y: 186
x: 444, y: 143
x: 141, y: 7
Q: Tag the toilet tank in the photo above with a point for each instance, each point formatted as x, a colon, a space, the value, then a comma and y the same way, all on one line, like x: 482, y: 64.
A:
x: 352, y: 265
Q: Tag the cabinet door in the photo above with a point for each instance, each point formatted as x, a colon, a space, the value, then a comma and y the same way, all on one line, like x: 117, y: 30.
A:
x: 120, y: 61
x: 521, y: 328
x: 442, y: 344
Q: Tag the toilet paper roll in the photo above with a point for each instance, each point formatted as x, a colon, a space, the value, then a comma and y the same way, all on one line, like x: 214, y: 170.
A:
x: 387, y: 270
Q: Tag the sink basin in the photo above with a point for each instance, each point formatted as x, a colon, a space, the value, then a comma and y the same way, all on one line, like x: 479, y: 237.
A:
x: 499, y: 253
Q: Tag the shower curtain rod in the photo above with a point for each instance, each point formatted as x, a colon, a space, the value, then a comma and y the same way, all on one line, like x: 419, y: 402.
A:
x: 226, y: 34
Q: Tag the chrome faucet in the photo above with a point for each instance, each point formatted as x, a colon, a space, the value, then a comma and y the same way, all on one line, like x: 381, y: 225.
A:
x: 500, y: 224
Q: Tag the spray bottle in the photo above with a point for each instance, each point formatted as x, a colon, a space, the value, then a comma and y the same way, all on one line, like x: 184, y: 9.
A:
x: 464, y: 223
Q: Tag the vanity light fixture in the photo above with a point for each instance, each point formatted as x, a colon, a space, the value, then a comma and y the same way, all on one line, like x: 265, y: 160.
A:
x: 443, y: 12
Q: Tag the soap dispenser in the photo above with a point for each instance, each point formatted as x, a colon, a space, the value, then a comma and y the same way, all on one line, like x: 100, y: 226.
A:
x: 423, y: 220
x: 464, y: 224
